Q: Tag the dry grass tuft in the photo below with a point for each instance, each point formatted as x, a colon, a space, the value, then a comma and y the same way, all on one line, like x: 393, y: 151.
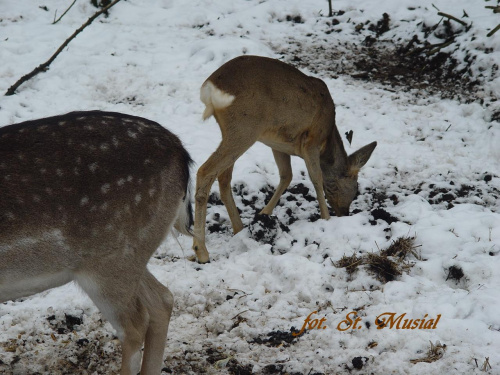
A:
x: 385, y: 269
x: 401, y: 248
x: 350, y: 264
x: 435, y: 352
x: 387, y: 265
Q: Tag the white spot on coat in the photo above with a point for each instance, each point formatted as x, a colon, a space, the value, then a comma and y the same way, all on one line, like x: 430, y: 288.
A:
x: 105, y: 188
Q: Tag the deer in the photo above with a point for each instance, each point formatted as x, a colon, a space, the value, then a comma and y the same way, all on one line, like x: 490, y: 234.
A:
x: 256, y: 98
x: 88, y: 197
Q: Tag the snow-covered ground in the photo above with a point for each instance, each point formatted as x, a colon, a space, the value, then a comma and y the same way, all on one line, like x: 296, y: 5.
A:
x: 434, y: 176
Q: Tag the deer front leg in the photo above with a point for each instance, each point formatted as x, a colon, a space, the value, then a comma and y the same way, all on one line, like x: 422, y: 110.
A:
x: 285, y: 170
x: 312, y: 159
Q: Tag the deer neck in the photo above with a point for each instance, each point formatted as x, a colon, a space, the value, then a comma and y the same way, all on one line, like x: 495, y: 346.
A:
x: 334, y: 156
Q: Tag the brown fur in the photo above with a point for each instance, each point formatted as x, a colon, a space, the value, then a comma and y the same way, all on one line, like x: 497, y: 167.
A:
x: 89, y: 196
x: 292, y: 113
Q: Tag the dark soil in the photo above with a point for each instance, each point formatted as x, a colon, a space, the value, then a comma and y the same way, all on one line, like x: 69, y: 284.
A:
x: 412, y: 64
x: 263, y: 228
x: 359, y: 362
x: 455, y: 273
x: 278, y: 338
x: 67, y: 325
x: 381, y: 214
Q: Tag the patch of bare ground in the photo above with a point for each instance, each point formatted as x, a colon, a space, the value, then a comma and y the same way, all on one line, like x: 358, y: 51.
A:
x: 412, y: 64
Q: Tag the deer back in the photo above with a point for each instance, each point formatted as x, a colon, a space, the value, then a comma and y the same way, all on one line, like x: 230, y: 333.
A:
x: 90, y: 177
x: 273, y: 100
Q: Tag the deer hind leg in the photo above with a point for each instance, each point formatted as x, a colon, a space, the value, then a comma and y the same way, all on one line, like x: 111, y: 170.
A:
x: 312, y: 159
x: 159, y: 302
x: 224, y: 157
x: 117, y: 296
x: 285, y: 170
x: 226, y: 196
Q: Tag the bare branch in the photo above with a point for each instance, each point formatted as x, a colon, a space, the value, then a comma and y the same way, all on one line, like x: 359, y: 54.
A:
x: 452, y: 18
x: 67, y: 10
x: 493, y: 31
x: 43, y: 67
x: 496, y: 9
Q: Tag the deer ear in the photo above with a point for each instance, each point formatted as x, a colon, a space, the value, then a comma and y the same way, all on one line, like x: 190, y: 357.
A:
x: 359, y: 158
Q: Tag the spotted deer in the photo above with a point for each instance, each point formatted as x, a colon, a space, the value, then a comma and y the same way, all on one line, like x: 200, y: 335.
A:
x: 260, y: 99
x: 88, y: 197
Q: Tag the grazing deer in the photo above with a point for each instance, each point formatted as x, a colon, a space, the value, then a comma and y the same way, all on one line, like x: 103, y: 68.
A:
x: 88, y: 197
x: 260, y: 99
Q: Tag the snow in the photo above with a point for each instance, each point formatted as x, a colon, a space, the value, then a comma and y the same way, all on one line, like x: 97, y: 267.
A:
x: 150, y: 59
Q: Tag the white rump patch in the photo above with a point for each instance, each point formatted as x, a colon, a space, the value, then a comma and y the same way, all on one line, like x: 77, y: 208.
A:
x: 214, y: 99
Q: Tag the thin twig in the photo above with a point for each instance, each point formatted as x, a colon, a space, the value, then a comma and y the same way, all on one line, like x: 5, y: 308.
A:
x: 439, y: 47
x: 330, y: 10
x: 244, y: 311
x: 43, y: 67
x: 493, y: 31
x: 433, y: 47
x: 496, y: 9
x: 486, y: 365
x: 67, y: 10
x: 452, y: 18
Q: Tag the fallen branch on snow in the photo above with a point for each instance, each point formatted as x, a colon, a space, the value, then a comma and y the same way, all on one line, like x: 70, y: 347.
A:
x: 43, y: 67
